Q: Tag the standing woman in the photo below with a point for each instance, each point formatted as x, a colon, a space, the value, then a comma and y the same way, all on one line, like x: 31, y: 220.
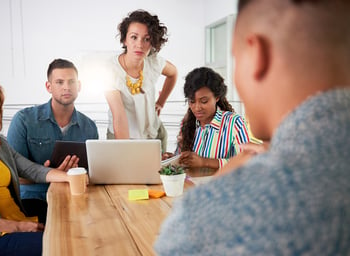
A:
x: 134, y: 110
x: 211, y: 132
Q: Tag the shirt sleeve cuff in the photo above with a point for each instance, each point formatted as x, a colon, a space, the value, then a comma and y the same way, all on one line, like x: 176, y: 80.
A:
x: 222, y: 162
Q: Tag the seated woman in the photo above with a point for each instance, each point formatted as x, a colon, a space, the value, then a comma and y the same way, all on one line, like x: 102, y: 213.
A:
x: 19, y: 234
x: 211, y: 132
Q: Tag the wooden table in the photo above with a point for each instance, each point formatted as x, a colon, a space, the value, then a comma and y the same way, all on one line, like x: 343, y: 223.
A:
x: 103, y: 221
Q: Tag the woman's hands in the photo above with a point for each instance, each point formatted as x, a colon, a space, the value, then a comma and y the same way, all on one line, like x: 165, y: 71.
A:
x: 158, y: 108
x: 69, y: 162
x: 28, y: 226
x: 60, y: 174
x: 192, y: 160
x: 11, y: 226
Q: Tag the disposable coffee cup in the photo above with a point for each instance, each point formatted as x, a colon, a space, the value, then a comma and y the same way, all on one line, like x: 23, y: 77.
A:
x: 77, y: 180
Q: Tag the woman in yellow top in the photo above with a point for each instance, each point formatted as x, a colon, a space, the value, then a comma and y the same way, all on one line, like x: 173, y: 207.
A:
x: 19, y: 234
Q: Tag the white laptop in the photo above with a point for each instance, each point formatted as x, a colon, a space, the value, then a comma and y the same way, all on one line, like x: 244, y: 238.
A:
x: 131, y: 161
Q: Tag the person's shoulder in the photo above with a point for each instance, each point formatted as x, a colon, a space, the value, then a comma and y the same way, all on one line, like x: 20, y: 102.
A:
x: 228, y: 116
x: 233, y: 116
x: 155, y: 61
x: 31, y: 111
x: 2, y: 138
x: 84, y: 118
x: 4, y: 145
x: 155, y: 57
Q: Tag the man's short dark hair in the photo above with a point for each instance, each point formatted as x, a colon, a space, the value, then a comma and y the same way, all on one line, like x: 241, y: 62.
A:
x: 60, y: 63
x: 243, y: 3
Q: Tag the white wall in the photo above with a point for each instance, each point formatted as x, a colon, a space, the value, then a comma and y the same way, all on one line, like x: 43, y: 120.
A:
x: 217, y: 9
x: 35, y: 32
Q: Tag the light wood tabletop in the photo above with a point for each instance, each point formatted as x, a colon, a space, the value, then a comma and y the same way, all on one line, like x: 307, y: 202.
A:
x: 103, y: 221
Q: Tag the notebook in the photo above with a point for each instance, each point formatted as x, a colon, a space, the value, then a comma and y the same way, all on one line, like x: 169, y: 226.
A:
x: 133, y: 161
x: 64, y: 148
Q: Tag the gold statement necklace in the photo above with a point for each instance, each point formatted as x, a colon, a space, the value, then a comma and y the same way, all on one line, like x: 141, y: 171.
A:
x: 135, y: 88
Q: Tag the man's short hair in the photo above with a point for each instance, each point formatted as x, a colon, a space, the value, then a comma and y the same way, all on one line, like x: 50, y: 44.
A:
x: 60, y: 63
x: 243, y: 3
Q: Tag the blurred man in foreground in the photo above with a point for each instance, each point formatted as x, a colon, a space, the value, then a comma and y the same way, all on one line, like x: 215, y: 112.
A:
x: 292, y: 73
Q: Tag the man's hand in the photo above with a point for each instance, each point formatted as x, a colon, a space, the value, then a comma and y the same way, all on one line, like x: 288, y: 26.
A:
x: 249, y: 151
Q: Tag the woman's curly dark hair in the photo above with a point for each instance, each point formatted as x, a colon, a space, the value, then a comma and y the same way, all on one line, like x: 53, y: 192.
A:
x: 156, y: 30
x: 195, y: 80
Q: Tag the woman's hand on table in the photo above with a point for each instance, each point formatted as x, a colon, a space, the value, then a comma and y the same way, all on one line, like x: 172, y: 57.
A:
x: 69, y: 162
x: 190, y: 159
x: 11, y: 226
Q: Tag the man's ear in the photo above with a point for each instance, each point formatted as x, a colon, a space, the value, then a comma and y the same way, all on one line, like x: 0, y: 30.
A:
x: 79, y: 85
x: 260, y: 54
x: 48, y: 86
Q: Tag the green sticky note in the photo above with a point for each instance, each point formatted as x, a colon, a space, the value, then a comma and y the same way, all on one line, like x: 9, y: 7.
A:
x: 138, y: 194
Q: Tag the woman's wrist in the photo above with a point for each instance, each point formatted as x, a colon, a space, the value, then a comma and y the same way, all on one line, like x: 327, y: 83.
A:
x: 158, y: 104
x: 158, y: 108
x: 210, y: 163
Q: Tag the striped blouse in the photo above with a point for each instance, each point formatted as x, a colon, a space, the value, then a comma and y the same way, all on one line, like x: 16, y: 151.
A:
x: 221, y: 139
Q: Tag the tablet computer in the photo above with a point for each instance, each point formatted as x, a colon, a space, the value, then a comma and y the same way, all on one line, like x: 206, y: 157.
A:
x: 64, y: 148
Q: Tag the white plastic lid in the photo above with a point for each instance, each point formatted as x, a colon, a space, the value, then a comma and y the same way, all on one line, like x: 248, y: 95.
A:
x: 76, y: 171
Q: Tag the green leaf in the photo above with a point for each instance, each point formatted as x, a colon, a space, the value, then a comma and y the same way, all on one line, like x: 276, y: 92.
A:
x: 171, y: 170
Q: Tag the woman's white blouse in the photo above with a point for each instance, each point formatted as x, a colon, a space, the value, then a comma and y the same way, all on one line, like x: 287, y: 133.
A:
x: 140, y: 108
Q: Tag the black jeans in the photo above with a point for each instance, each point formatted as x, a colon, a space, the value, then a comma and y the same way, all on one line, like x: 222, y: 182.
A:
x: 35, y: 207
x: 21, y: 243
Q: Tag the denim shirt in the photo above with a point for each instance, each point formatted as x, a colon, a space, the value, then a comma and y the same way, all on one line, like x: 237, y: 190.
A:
x: 34, y: 130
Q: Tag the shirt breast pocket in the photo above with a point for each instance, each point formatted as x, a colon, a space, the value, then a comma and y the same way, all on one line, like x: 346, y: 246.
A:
x: 40, y: 142
x: 40, y: 148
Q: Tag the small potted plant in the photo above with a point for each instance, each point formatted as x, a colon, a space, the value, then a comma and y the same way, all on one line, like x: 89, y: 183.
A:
x: 173, y: 178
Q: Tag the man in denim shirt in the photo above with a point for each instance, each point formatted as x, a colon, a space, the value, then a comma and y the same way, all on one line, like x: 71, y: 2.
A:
x: 34, y: 130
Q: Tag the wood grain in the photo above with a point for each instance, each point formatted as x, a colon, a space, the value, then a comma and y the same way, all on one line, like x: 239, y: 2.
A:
x: 103, y: 221
x: 142, y: 218
x: 84, y: 225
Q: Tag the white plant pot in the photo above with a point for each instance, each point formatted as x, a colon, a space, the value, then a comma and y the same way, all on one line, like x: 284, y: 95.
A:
x: 173, y: 184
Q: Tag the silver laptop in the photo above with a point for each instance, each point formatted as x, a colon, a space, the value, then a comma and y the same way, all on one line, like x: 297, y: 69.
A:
x: 124, y: 161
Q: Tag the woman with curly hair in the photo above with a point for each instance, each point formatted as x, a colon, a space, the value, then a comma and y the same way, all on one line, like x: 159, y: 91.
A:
x: 211, y: 132
x: 134, y: 110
